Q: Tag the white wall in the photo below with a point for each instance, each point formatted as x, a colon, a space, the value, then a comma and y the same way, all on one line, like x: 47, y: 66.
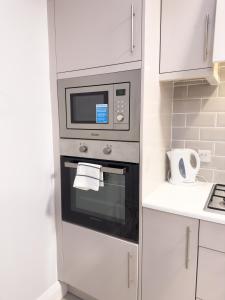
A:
x: 156, y: 105
x: 27, y: 227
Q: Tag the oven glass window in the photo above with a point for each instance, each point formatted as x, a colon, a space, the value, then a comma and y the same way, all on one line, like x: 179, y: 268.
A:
x: 89, y: 108
x: 106, y: 204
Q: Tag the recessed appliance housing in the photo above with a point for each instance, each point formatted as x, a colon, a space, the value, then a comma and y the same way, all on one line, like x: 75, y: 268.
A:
x: 103, y: 107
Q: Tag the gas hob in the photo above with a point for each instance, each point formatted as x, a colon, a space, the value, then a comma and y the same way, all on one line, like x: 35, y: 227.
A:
x: 216, y: 199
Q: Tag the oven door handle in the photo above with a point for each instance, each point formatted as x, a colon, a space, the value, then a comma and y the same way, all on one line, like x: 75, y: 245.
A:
x: 117, y: 171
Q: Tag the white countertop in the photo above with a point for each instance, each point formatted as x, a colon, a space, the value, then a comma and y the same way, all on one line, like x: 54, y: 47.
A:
x: 188, y: 200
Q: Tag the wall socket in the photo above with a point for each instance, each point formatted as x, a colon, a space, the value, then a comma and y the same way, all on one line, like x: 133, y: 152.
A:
x: 205, y: 155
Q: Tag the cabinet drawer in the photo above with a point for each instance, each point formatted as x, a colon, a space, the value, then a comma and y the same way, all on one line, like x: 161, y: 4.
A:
x: 212, y: 236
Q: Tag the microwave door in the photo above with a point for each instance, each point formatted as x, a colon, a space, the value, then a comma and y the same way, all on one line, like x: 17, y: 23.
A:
x: 90, y: 107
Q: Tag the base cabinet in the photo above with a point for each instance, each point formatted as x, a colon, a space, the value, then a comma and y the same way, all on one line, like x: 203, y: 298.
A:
x: 98, y: 265
x: 211, y: 275
x: 170, y: 246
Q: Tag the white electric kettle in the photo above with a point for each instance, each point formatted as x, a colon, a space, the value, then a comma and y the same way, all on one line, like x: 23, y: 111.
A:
x: 181, y: 165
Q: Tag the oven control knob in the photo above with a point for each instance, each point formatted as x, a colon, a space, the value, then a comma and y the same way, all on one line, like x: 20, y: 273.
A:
x: 120, y: 117
x: 83, y: 148
x: 107, y: 150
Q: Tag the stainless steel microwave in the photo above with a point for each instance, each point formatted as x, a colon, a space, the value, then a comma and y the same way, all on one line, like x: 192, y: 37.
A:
x: 104, y: 107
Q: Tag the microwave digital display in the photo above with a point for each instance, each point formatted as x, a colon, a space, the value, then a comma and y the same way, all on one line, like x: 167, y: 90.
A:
x: 120, y: 92
x: 90, y: 107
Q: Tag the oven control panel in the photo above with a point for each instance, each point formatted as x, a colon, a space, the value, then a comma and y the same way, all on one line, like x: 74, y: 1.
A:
x: 106, y: 150
x: 113, y: 150
x: 121, y: 105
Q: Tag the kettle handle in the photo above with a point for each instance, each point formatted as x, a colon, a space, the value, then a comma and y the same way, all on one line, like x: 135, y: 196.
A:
x: 193, y: 152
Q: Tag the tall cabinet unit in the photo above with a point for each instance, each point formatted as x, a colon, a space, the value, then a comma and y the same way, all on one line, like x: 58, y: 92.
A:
x: 97, y: 33
x: 170, y: 245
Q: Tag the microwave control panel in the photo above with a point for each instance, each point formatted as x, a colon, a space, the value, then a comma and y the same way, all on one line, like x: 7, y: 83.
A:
x: 121, y: 105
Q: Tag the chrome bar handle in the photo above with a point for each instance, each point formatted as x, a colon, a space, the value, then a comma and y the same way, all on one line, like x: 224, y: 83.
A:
x: 188, y: 231
x: 129, y: 256
x: 104, y: 169
x: 206, y: 38
x: 132, y: 28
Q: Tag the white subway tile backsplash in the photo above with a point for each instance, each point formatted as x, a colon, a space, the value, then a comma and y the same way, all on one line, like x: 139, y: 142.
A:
x: 217, y: 163
x: 200, y: 145
x: 220, y: 120
x: 178, y: 144
x: 202, y: 90
x: 199, y: 123
x: 201, y: 120
x: 219, y: 177
x: 220, y: 149
x: 212, y: 134
x: 180, y: 92
x: 186, y: 106
x: 213, y: 105
x: 178, y: 120
x: 185, y: 133
x: 205, y: 175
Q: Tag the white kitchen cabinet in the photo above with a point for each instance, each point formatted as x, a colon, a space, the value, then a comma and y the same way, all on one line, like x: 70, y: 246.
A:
x: 211, y: 275
x: 212, y: 236
x: 187, y: 32
x: 97, y: 33
x: 219, y: 44
x: 99, y: 265
x: 170, y: 246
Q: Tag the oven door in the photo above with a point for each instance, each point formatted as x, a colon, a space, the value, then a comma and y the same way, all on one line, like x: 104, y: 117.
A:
x: 114, y: 209
x: 90, y: 107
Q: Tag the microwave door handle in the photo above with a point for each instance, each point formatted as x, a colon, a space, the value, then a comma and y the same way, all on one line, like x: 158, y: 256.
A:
x: 117, y: 171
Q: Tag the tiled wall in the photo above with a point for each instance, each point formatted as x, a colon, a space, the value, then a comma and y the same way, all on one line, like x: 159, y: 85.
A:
x: 199, y: 123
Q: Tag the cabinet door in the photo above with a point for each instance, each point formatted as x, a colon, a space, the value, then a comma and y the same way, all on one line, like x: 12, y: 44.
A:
x: 99, y: 265
x: 170, y: 245
x: 97, y: 33
x: 187, y: 29
x: 211, y: 275
x: 219, y: 43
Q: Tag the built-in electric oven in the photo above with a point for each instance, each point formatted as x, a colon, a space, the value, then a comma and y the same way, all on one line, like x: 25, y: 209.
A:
x: 114, y: 209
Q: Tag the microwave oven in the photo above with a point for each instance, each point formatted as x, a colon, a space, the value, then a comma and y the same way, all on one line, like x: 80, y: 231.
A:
x: 104, y: 107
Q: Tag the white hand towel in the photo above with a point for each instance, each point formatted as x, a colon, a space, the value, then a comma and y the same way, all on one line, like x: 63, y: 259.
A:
x: 89, y: 177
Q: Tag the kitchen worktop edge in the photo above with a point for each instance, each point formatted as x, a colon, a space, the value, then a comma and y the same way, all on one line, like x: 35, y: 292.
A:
x: 187, y: 200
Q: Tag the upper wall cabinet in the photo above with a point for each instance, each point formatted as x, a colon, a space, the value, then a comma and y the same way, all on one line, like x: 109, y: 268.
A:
x: 97, y: 33
x: 187, y: 35
x: 219, y: 45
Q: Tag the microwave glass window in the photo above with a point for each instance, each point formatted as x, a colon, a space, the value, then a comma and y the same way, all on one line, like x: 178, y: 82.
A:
x: 83, y: 106
x: 108, y: 203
